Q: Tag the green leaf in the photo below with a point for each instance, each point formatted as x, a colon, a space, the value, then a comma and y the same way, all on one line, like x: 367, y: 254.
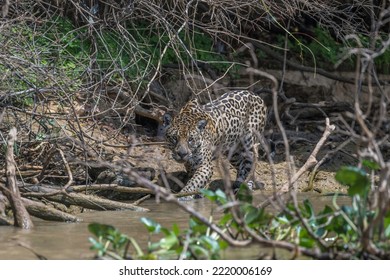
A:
x: 118, y: 239
x: 282, y: 219
x: 101, y: 230
x: 221, y: 196
x: 309, y: 211
x: 387, y: 225
x: 151, y: 225
x: 218, y: 195
x: 226, y: 219
x: 176, y: 229
x: 199, y: 251
x: 169, y: 241
x: 244, y: 194
x: 355, y: 178
x: 305, y: 240
x: 321, y: 232
x: 371, y: 164
x: 209, y: 194
x: 197, y: 226
x: 210, y: 243
x: 165, y: 231
x: 324, y: 220
x: 253, y: 214
x: 223, y: 244
x: 96, y: 245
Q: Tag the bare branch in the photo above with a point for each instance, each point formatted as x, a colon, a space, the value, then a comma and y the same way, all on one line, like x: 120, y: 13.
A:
x: 21, y: 217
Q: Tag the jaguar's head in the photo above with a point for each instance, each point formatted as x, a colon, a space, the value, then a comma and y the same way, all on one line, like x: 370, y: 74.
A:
x: 187, y: 132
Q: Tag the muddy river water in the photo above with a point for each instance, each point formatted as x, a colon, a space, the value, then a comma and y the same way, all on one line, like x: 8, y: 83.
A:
x: 55, y: 240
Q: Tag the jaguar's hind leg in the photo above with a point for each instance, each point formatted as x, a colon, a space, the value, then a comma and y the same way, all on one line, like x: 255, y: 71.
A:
x: 244, y: 161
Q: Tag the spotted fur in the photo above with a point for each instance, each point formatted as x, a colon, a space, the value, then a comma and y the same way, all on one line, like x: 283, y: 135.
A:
x: 229, y: 125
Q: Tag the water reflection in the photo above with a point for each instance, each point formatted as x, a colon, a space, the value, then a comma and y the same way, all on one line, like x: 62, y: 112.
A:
x: 64, y: 241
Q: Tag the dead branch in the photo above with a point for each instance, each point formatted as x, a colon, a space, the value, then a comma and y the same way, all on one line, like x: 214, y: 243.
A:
x: 48, y: 158
x: 28, y: 247
x: 110, y: 187
x: 86, y: 201
x: 310, y: 162
x: 67, y: 168
x: 142, y: 199
x: 324, y: 159
x: 21, y: 217
x: 45, y: 212
x: 150, y: 114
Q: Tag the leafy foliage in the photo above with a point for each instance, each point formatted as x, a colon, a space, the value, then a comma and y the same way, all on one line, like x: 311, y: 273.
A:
x: 334, y: 229
x: 57, y: 54
x: 110, y: 241
x: 355, y: 178
x: 194, y: 243
x: 321, y: 49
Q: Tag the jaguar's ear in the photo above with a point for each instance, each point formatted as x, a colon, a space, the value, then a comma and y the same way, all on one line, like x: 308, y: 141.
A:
x: 167, y: 120
x: 194, y: 102
x: 202, y: 124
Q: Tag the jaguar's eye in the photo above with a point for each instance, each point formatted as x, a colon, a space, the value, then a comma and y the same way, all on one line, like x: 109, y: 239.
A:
x: 172, y: 140
x: 190, y: 140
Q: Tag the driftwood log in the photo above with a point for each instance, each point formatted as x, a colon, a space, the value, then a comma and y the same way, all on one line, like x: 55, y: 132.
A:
x: 30, y: 196
x: 21, y: 216
x: 69, y: 197
x: 45, y: 212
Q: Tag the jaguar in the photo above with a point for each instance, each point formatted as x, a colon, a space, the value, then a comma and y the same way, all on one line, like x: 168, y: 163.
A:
x: 230, y: 125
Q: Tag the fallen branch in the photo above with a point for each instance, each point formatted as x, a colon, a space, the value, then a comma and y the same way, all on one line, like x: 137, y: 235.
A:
x: 312, y: 160
x: 11, y: 191
x: 67, y: 168
x: 83, y: 200
x: 142, y: 199
x: 45, y: 212
x: 110, y: 187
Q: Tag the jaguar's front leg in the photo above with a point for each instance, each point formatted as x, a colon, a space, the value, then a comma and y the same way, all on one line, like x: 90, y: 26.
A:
x: 198, y: 181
